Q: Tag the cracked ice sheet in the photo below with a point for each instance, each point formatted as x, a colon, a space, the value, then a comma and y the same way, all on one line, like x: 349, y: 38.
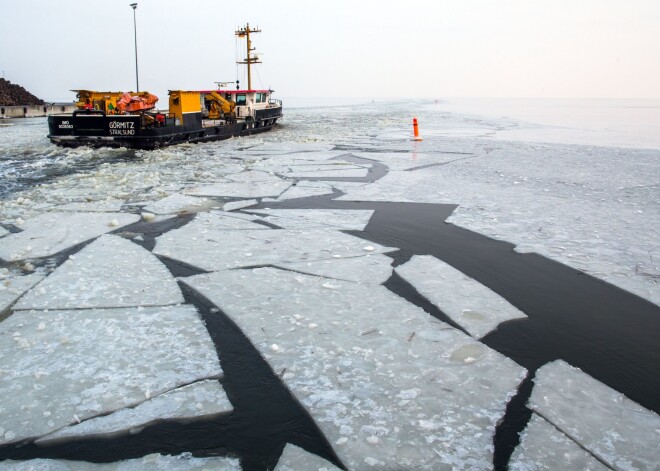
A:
x: 220, y: 249
x: 13, y: 288
x: 368, y: 269
x: 352, y: 219
x: 199, y: 399
x: 235, y: 205
x: 58, y: 367
x: 258, y: 189
x: 305, y: 190
x: 543, y: 447
x: 4, y: 232
x: 469, y: 303
x: 109, y: 205
x: 96, y: 278
x: 153, y: 462
x: 390, y: 387
x: 295, y: 459
x: 407, y: 160
x: 288, y: 148
x: 50, y: 233
x: 339, y: 169
x: 617, y: 430
x: 177, y: 203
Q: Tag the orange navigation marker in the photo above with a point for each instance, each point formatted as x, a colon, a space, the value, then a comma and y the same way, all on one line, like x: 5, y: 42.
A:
x: 416, y: 131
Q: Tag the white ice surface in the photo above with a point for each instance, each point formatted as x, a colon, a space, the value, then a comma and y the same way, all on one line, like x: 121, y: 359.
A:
x: 3, y: 232
x: 176, y: 203
x: 261, y: 186
x: 368, y: 269
x: 296, y: 459
x: 544, y: 448
x: 390, y: 387
x: 12, y: 288
x: 59, y: 367
x: 96, y: 277
x: 154, y: 462
x: 234, y: 205
x: 305, y: 190
x: 195, y: 400
x: 50, y: 233
x: 318, y: 218
x: 617, y: 430
x: 469, y: 303
x: 109, y: 205
x: 220, y: 249
x: 332, y: 169
x: 591, y: 208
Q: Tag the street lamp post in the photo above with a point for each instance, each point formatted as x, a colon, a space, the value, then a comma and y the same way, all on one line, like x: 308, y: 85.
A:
x: 137, y: 81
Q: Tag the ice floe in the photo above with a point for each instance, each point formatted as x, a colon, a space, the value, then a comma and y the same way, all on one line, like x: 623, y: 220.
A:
x: 368, y: 269
x: 199, y: 399
x: 109, y: 272
x: 617, y: 430
x: 153, y: 462
x: 306, y: 189
x: 234, y: 205
x: 466, y: 301
x: 390, y: 386
x: 262, y: 185
x: 50, y: 233
x: 544, y: 448
x: 109, y: 205
x: 318, y: 218
x: 13, y: 287
x: 3, y: 231
x: 296, y: 459
x: 62, y: 367
x: 220, y: 249
x: 177, y: 203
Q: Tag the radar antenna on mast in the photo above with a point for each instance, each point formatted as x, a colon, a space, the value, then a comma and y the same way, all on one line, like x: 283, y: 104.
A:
x: 250, y: 59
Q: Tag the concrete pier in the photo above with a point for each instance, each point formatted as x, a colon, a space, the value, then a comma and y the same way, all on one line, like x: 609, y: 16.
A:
x: 35, y: 111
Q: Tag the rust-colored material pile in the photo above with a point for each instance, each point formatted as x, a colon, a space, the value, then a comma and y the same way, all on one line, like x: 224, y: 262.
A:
x: 15, y: 95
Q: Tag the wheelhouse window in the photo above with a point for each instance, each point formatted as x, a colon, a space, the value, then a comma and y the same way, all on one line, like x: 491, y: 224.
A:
x: 240, y: 99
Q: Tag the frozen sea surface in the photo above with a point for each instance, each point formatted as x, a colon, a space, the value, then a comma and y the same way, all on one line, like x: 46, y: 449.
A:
x: 471, y: 305
x: 61, y: 367
x: 618, y: 431
x: 199, y: 399
x: 83, y: 282
x: 353, y: 353
x: 152, y: 462
x: 369, y: 368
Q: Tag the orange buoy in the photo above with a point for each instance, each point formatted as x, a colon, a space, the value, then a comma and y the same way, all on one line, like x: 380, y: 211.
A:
x: 416, y: 131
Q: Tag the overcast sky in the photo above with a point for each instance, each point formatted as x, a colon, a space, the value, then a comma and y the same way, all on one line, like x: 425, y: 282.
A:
x: 340, y: 48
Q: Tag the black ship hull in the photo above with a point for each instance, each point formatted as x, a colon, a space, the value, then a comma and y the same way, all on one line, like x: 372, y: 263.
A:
x: 96, y: 129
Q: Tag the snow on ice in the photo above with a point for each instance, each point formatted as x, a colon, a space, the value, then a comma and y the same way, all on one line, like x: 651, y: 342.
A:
x: 389, y: 385
x: 50, y: 233
x: 469, y: 303
x: 61, y: 367
x: 13, y: 287
x: 261, y: 247
x: 318, y: 218
x: 544, y: 448
x: 96, y: 278
x: 367, y: 269
x: 199, y: 399
x: 177, y: 203
x: 617, y: 430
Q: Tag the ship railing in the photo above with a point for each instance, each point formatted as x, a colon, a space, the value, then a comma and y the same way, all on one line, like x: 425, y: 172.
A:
x: 274, y: 103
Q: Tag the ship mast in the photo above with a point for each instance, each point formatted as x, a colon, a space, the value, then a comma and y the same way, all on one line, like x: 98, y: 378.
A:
x: 245, y: 32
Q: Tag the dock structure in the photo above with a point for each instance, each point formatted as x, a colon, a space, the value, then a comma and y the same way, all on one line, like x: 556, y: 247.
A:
x: 35, y: 111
